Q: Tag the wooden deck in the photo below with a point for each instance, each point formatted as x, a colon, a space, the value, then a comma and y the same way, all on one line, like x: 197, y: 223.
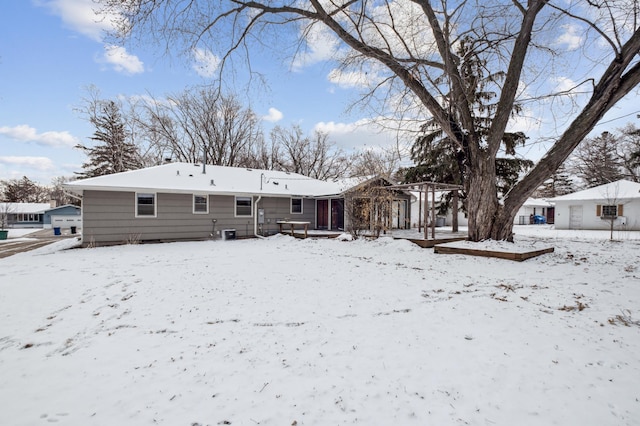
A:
x: 518, y: 256
x: 431, y: 242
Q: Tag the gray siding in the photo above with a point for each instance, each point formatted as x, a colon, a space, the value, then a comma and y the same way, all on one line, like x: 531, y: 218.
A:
x: 276, y: 209
x: 109, y: 217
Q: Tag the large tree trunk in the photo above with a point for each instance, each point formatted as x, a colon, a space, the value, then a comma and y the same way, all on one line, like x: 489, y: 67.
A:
x: 482, y: 198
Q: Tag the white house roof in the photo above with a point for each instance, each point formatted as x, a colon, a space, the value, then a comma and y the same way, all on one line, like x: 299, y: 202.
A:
x: 194, y: 178
x: 537, y: 202
x: 619, y: 190
x: 24, y: 207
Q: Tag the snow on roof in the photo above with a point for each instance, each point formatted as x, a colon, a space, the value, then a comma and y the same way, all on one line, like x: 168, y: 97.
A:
x: 51, y: 209
x: 194, y: 178
x: 619, y: 190
x: 537, y: 202
x: 24, y: 207
x: 352, y: 182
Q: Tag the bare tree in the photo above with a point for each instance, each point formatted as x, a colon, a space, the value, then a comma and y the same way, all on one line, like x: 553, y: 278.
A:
x: 57, y: 193
x: 368, y: 209
x: 375, y: 162
x: 406, y: 50
x: 316, y: 157
x: 198, y: 122
x: 629, y: 152
x: 6, y: 208
x: 613, y: 209
x: 596, y: 160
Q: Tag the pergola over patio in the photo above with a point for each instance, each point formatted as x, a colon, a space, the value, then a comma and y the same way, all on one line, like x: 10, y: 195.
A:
x: 426, y: 188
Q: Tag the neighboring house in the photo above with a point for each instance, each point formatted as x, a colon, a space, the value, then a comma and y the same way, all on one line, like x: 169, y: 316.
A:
x: 62, y: 217
x: 181, y: 201
x: 532, y: 207
x: 595, y: 208
x: 24, y: 215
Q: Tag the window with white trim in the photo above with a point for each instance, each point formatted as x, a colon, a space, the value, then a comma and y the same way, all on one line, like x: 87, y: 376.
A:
x: 200, y: 204
x: 244, y: 206
x: 145, y: 204
x: 296, y: 206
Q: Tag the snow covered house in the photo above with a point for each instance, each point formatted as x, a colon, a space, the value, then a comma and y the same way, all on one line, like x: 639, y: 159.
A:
x: 596, y: 207
x: 24, y: 215
x: 182, y: 201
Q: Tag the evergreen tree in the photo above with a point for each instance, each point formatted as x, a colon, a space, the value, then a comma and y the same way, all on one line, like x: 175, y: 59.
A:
x: 112, y: 153
x: 560, y: 183
x: 23, y: 191
x: 437, y: 156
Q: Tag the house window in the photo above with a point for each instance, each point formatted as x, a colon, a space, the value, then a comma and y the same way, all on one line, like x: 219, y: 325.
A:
x: 200, y: 204
x: 244, y: 206
x: 609, y: 211
x: 296, y: 206
x: 145, y: 205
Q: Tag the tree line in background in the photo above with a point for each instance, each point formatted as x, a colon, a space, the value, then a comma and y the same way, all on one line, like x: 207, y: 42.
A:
x: 25, y: 190
x: 201, y: 124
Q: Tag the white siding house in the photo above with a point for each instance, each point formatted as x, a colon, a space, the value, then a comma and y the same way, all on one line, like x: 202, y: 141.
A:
x: 534, y: 206
x: 595, y: 208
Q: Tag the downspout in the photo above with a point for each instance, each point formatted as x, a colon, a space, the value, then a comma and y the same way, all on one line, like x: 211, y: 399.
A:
x: 255, y: 219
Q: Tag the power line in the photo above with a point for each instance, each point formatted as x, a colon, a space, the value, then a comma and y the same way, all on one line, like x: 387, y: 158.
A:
x: 618, y: 118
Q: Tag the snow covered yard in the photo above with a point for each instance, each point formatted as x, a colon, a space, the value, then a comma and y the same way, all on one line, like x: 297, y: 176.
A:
x: 320, y: 332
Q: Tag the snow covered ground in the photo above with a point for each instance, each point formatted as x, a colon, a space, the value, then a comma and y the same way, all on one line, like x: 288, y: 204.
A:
x: 321, y: 332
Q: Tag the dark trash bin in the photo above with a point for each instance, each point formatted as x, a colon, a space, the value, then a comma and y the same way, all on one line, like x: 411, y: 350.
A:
x: 73, y: 229
x: 56, y: 231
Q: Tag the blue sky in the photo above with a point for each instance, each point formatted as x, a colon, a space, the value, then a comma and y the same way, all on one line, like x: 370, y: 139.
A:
x: 52, y: 50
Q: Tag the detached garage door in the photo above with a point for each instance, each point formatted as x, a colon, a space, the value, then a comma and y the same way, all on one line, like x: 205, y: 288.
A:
x: 575, y: 217
x: 66, y: 221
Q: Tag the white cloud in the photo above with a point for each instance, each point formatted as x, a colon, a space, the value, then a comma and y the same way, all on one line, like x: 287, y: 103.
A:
x: 349, y: 79
x: 37, y: 163
x: 81, y: 16
x: 569, y: 37
x: 321, y: 45
x: 274, y: 116
x: 359, y: 134
x: 206, y: 63
x: 26, y: 133
x: 121, y: 60
x: 564, y: 84
x: 84, y: 16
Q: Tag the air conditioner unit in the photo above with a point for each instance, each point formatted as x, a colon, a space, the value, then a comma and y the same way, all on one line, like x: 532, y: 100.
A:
x: 228, y: 234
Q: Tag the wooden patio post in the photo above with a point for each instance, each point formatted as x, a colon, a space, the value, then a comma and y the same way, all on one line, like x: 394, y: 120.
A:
x: 426, y: 210
x: 454, y: 207
x: 433, y: 212
x: 420, y: 212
